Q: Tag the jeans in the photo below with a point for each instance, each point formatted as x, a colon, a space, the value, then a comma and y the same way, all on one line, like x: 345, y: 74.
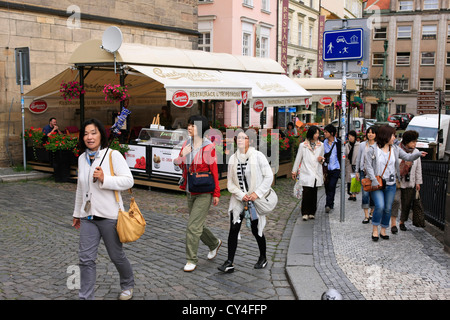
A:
x: 367, y: 201
x: 330, y: 186
x: 383, y: 200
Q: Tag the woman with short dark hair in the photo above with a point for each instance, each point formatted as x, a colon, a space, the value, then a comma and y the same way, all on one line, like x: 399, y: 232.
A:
x: 308, y: 167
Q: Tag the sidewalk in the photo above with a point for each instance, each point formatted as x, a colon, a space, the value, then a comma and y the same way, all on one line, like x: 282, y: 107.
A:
x: 9, y: 175
x: 326, y: 253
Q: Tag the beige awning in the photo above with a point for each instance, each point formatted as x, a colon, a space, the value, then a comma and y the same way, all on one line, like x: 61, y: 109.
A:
x: 197, y: 83
x: 273, y: 89
x: 320, y: 87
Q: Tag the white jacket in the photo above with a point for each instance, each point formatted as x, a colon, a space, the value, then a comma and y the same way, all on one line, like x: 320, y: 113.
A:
x: 310, y: 169
x: 259, y: 176
x: 103, y: 200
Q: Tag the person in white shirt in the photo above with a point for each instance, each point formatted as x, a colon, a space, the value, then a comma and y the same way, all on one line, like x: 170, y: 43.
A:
x: 96, y: 209
x: 309, y: 162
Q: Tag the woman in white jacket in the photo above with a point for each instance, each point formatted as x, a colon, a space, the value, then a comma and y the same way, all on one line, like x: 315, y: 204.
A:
x: 308, y: 164
x: 249, y: 178
x: 96, y: 209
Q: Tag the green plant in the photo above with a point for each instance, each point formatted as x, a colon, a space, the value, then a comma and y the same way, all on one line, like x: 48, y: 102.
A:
x: 34, y: 136
x: 61, y: 142
x: 116, y: 145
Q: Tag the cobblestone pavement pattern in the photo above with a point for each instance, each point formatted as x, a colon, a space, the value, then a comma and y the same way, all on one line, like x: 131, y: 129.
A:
x: 39, y: 248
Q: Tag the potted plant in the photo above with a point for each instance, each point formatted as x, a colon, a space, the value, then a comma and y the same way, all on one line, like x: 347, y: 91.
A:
x: 34, y: 138
x: 115, y: 93
x: 71, y: 90
x: 63, y: 148
x: 116, y: 145
x: 296, y: 72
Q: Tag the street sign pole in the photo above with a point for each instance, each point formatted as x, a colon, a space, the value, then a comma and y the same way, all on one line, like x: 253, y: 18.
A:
x: 22, y: 104
x: 343, y: 133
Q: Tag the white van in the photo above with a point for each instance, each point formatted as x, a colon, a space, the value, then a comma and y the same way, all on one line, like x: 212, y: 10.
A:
x: 427, y: 127
x: 357, y: 124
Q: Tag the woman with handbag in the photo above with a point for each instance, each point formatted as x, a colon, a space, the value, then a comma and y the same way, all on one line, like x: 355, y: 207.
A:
x: 96, y: 209
x: 310, y: 159
x: 249, y: 178
x: 367, y: 202
x: 381, y: 164
x: 351, y: 154
x: 200, y: 179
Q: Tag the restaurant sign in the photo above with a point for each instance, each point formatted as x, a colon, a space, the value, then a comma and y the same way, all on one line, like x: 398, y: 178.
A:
x: 180, y: 97
x: 38, y: 106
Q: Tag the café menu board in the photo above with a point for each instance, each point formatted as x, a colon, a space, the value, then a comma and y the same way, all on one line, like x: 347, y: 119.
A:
x: 136, y: 158
x: 162, y: 162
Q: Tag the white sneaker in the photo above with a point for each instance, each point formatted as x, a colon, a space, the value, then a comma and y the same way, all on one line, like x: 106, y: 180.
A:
x: 189, y: 267
x: 305, y: 217
x: 212, y: 254
x: 126, y: 294
x: 311, y: 217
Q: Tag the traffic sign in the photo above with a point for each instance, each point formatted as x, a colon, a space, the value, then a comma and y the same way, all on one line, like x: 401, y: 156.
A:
x: 344, y: 44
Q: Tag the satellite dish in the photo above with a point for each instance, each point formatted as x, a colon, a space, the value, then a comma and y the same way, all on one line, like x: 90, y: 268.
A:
x: 112, y: 39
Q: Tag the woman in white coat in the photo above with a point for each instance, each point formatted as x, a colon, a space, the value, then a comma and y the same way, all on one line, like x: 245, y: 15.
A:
x: 249, y: 178
x: 96, y: 209
x: 308, y: 165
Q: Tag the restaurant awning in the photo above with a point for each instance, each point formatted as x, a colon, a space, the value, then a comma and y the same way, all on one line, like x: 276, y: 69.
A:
x: 197, y: 83
x: 163, y: 71
x: 319, y: 87
x: 273, y: 89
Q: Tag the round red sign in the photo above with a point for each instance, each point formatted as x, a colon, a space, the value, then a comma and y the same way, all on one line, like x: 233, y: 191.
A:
x: 326, y: 101
x: 38, y: 106
x: 180, y: 98
x: 258, y: 105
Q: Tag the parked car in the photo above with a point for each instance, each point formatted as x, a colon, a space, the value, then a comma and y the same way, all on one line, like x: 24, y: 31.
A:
x: 400, y: 120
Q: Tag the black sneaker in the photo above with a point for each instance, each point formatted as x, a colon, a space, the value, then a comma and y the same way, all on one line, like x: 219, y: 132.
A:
x: 227, y: 267
x: 262, y: 263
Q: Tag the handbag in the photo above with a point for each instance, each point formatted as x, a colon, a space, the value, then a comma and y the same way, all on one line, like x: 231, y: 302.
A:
x: 267, y: 203
x: 130, y: 224
x: 367, y: 183
x: 200, y: 182
x: 418, y: 212
x: 355, y: 186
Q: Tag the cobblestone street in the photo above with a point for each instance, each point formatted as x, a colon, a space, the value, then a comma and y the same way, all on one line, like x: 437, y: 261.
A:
x: 39, y: 248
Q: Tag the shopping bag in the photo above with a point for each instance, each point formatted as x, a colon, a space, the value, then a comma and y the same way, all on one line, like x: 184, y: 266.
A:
x: 298, y: 190
x: 355, y: 186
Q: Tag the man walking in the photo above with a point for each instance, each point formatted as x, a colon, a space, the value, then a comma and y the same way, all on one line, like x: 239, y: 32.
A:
x: 332, y: 156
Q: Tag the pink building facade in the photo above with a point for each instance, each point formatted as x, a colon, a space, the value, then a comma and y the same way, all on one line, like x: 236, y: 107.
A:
x: 240, y: 27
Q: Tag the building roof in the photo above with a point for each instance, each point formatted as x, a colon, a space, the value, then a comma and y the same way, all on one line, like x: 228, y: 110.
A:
x: 377, y: 4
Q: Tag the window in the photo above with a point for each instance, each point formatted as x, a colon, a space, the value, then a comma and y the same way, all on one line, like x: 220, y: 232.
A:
x: 427, y: 58
x: 289, y: 31
x: 300, y: 27
x: 429, y: 32
x: 380, y: 33
x: 377, y: 59
x: 404, y: 32
x: 426, y: 85
x: 311, y: 37
x: 430, y: 4
x: 448, y: 58
x: 248, y: 3
x: 405, y: 6
x: 204, y: 42
x: 265, y: 5
x: 403, y: 58
x: 448, y: 31
x: 246, y: 44
x: 264, y: 52
x: 447, y: 84
x: 398, y: 85
x: 400, y: 108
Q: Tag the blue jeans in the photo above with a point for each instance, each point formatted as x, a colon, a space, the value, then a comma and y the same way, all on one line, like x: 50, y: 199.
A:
x: 383, y: 200
x: 367, y: 201
x: 330, y: 187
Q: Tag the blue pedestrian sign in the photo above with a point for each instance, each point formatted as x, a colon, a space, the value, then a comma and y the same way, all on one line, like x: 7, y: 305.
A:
x: 343, y: 44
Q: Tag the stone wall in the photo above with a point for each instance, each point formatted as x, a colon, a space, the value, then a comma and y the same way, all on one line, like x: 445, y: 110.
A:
x: 52, y: 35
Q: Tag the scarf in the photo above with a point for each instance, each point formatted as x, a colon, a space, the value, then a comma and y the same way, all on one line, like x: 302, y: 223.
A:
x: 89, y: 154
x: 242, y: 158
